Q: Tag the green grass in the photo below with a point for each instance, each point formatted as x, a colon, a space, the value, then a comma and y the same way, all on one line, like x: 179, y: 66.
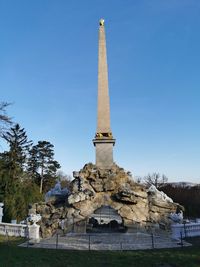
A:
x: 11, y: 241
x: 11, y: 255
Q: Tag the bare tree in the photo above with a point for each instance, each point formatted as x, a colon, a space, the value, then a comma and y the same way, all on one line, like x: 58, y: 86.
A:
x: 138, y: 179
x: 155, y: 179
x: 4, y: 119
x: 65, y: 179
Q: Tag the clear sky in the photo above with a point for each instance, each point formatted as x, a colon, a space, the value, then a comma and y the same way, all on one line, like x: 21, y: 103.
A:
x: 48, y: 70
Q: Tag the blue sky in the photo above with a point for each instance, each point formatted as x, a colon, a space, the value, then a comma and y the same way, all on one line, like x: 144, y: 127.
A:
x: 48, y: 70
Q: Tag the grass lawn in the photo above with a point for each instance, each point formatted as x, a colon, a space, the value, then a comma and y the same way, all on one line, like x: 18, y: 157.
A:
x: 11, y: 255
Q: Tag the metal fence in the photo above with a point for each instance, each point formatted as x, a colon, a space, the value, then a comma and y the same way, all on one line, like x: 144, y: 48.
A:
x: 108, y: 241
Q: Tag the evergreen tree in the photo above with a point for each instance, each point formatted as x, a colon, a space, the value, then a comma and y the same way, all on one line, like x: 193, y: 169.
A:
x: 42, y: 165
x: 19, y: 147
x: 16, y: 194
x: 32, y: 163
x: 4, y: 119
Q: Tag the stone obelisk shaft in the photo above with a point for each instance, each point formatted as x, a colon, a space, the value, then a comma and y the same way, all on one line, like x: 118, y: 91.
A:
x: 103, y: 114
x: 103, y: 141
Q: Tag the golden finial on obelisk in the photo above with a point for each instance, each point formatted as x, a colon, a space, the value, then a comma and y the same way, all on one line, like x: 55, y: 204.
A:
x: 101, y: 22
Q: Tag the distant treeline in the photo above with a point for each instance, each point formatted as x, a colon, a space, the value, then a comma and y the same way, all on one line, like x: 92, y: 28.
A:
x: 189, y: 197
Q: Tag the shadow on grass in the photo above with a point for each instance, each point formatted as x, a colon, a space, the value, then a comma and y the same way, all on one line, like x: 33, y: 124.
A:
x: 11, y: 240
x: 195, y: 241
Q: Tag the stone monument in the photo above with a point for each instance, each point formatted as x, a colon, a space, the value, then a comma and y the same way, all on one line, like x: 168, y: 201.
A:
x: 104, y: 186
x: 103, y: 141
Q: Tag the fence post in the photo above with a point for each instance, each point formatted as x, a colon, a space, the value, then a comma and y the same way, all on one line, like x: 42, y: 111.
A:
x: 121, y: 247
x: 73, y: 224
x: 89, y: 243
x: 181, y: 239
x: 184, y: 229
x: 7, y: 237
x: 27, y: 235
x: 152, y: 241
x: 56, y: 240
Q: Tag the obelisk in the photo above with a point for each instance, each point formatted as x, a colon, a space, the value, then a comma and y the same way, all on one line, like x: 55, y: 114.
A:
x: 103, y: 141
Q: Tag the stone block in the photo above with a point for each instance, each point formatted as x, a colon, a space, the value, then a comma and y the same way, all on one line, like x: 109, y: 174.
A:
x: 104, y: 155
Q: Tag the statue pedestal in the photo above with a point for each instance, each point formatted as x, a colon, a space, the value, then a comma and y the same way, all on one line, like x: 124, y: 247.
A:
x: 104, y: 152
x: 34, y: 233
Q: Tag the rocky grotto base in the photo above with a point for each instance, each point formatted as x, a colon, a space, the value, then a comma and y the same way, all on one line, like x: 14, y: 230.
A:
x: 93, y: 188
